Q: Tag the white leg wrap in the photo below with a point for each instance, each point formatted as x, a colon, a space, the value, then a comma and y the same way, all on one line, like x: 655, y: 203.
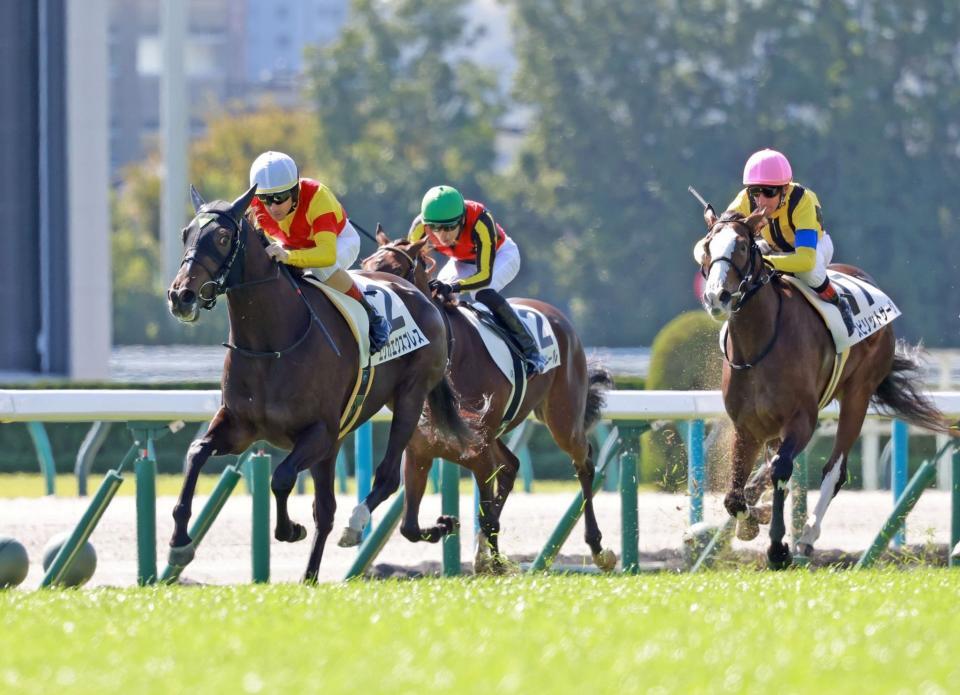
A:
x: 811, y: 530
x: 359, y: 518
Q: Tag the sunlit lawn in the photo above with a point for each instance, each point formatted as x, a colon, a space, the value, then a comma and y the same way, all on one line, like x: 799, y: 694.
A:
x: 864, y: 632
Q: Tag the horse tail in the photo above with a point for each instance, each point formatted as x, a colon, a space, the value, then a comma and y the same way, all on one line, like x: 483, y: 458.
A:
x: 901, y: 394
x: 598, y: 382
x: 450, y: 420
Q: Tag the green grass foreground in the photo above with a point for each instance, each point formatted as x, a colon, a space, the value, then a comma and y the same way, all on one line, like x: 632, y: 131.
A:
x: 792, y: 632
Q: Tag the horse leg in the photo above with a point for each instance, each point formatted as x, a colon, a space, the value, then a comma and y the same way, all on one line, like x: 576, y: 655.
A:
x: 324, y: 507
x: 406, y: 416
x: 416, y: 471
x: 566, y: 424
x: 487, y: 556
x: 745, y: 450
x: 314, y: 444
x: 224, y: 436
x: 853, y: 409
x: 794, y: 438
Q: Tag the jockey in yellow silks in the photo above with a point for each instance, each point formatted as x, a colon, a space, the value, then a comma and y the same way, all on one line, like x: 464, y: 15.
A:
x: 794, y: 240
x: 308, y: 228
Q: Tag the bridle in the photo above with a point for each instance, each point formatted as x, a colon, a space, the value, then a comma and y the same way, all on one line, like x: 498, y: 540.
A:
x: 754, y: 275
x: 228, y: 277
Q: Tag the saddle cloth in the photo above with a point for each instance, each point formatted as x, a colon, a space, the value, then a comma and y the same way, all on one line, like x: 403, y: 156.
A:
x: 872, y: 308
x: 405, y: 334
x: 508, y: 361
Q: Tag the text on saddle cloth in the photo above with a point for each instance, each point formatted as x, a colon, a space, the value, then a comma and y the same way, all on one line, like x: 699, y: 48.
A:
x: 537, y: 324
x: 405, y: 335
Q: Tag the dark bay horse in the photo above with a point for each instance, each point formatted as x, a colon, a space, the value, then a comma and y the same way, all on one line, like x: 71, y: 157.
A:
x: 568, y: 399
x: 292, y: 369
x: 779, y: 358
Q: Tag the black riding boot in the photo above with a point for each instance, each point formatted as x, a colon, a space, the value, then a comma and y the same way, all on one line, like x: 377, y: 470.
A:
x: 535, y: 363
x: 829, y: 293
x: 379, y: 328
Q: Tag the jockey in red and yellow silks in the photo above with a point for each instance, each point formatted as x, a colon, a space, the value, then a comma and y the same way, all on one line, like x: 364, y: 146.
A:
x: 795, y: 240
x: 483, y: 259
x: 309, y: 228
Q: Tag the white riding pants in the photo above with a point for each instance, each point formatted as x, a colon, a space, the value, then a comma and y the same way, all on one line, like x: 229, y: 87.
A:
x: 348, y: 248
x: 506, y: 265
x: 815, y: 277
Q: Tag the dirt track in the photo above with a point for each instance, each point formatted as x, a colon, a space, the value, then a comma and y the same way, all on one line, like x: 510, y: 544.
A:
x: 528, y: 519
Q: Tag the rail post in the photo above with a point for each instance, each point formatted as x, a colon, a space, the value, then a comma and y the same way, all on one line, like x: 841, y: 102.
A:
x: 629, y: 517
x: 954, y: 549
x: 363, y: 457
x: 900, y: 440
x: 450, y: 505
x: 696, y: 470
x: 260, y: 533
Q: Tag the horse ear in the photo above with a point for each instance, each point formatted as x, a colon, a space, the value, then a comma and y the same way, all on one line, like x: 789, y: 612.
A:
x: 700, y: 251
x: 709, y: 216
x: 756, y: 221
x: 241, y: 204
x: 198, y: 201
x: 416, y: 249
x: 382, y: 238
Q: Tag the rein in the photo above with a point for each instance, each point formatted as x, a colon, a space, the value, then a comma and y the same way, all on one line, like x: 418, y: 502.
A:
x: 222, y: 285
x: 752, y: 280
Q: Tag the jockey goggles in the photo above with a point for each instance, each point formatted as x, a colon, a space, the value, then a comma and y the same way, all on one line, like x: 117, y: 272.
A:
x: 765, y: 191
x: 442, y: 227
x: 274, y: 198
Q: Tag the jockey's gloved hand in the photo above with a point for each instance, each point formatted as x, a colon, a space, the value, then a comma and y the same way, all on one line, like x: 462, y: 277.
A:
x: 278, y: 253
x: 764, y: 246
x: 441, y: 288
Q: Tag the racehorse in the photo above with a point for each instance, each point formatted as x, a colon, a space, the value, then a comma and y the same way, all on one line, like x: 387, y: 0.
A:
x: 291, y: 372
x: 778, y: 359
x: 568, y: 399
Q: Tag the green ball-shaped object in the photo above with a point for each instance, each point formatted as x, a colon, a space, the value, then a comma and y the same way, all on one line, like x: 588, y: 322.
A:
x: 82, y: 567
x: 14, y: 562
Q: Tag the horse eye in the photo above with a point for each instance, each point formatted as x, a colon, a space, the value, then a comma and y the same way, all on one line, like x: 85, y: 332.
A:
x: 223, y: 240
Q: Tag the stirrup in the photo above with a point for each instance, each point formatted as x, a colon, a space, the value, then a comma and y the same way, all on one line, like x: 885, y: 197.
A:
x: 379, y: 332
x: 535, y: 364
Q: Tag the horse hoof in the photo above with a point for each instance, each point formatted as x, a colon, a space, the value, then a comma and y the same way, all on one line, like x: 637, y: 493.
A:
x: 778, y: 556
x: 449, y: 524
x: 502, y: 565
x: 296, y: 533
x: 747, y: 528
x: 483, y: 563
x: 350, y: 538
x: 605, y: 560
x: 805, y: 550
x: 762, y: 513
x: 181, y: 556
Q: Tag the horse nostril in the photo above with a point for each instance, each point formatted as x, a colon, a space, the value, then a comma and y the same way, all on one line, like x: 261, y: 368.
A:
x: 724, y: 297
x: 187, y: 296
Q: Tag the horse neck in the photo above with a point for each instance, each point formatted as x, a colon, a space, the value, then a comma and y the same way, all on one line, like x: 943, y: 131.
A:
x: 265, y: 312
x: 753, y: 327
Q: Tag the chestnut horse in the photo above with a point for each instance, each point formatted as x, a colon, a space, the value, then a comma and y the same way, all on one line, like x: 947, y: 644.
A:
x: 778, y: 359
x: 291, y: 371
x: 568, y: 399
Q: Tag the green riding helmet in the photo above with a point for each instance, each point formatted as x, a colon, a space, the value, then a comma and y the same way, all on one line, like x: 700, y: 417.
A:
x: 442, y: 205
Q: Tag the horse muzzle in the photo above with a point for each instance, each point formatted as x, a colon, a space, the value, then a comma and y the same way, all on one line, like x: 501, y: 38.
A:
x: 183, y: 305
x: 717, y: 304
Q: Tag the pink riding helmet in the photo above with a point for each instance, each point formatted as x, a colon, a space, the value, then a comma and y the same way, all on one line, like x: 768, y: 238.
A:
x: 767, y: 168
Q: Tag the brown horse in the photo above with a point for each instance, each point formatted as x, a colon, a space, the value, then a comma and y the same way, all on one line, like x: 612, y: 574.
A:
x: 291, y: 372
x: 778, y: 360
x: 568, y: 399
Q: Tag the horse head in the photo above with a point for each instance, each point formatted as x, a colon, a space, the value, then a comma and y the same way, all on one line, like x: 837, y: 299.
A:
x: 730, y: 244
x: 213, y: 242
x: 409, y: 260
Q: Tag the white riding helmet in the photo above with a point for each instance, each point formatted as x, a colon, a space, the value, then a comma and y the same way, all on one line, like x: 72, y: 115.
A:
x: 274, y: 172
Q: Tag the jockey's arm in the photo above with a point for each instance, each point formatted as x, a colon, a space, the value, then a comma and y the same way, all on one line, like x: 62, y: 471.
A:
x: 416, y: 230
x: 803, y: 260
x: 322, y: 255
x: 485, y: 241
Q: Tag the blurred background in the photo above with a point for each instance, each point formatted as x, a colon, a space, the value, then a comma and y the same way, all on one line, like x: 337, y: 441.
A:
x: 580, y: 124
